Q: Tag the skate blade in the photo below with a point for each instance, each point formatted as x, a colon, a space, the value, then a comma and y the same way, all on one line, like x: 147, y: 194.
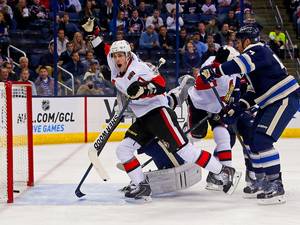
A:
x: 251, y: 196
x: 236, y: 179
x: 122, y: 190
x: 140, y: 200
x: 213, y: 187
x: 272, y: 201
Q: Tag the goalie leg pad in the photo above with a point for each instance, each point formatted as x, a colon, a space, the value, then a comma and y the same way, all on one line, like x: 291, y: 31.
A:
x: 174, y: 179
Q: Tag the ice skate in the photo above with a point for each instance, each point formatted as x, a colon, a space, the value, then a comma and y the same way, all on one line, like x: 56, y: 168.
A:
x: 255, y: 187
x: 140, y: 193
x: 213, y: 183
x: 249, y: 177
x: 180, y: 93
x: 128, y: 188
x: 230, y: 179
x: 273, y: 194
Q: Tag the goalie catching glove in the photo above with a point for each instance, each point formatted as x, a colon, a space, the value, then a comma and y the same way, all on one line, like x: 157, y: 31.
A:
x: 138, y: 89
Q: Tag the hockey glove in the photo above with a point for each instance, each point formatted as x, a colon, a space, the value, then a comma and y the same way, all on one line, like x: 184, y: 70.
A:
x: 233, y: 112
x: 207, y: 74
x: 138, y: 89
x: 236, y: 93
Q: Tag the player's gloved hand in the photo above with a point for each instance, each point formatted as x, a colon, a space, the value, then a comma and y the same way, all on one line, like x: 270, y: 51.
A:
x: 138, y: 89
x: 233, y: 112
x: 207, y: 74
x: 235, y: 96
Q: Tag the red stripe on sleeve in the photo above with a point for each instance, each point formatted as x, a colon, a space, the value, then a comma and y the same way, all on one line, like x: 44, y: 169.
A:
x: 106, y: 48
x: 203, y: 159
x: 159, y: 80
x: 224, y: 155
x: 200, y: 85
x: 131, y: 165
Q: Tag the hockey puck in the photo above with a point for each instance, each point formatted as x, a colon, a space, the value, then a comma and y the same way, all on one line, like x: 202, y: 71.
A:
x: 16, y: 191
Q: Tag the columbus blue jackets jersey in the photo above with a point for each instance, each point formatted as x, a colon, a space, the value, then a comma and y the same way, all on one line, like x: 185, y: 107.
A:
x: 265, y: 72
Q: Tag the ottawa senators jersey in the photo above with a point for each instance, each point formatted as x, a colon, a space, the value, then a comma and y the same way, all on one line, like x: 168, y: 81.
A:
x: 138, y: 71
x: 203, y: 97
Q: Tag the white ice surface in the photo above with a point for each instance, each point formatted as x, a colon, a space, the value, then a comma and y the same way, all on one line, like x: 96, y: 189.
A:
x: 59, y: 168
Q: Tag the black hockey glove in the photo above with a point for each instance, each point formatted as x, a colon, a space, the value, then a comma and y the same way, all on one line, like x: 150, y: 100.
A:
x: 222, y: 55
x: 207, y: 74
x: 233, y: 112
x: 138, y: 89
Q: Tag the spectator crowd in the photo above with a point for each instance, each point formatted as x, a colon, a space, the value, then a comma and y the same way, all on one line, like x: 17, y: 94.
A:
x: 149, y: 27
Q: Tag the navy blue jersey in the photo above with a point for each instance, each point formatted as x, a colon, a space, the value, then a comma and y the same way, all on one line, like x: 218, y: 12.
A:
x: 265, y: 72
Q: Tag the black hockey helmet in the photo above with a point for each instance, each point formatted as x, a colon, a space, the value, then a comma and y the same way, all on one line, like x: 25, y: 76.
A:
x: 248, y: 31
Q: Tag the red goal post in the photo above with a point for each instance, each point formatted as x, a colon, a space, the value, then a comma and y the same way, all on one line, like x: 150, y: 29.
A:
x: 16, y: 139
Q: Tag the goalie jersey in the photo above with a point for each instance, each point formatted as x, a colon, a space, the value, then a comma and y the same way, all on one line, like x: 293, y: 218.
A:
x: 265, y: 72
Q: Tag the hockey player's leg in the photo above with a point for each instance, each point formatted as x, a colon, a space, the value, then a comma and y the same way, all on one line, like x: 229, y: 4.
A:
x: 161, y: 156
x: 222, y: 153
x: 273, y: 194
x: 244, y: 126
x: 268, y: 187
x: 141, y: 188
x: 260, y: 155
x: 223, y: 148
x: 227, y: 175
x: 175, y: 139
x: 269, y: 125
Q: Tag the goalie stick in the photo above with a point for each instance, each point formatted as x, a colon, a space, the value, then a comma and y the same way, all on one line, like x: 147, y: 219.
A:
x: 120, y: 165
x: 98, y: 146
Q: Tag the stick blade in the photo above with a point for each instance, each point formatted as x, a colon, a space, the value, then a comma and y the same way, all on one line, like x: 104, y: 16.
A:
x: 92, y: 153
x: 78, y: 193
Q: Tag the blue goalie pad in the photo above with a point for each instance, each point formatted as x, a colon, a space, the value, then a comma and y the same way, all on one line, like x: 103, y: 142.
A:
x: 159, y: 156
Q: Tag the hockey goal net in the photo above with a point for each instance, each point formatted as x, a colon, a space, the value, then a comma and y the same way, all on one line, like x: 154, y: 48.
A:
x: 16, y: 146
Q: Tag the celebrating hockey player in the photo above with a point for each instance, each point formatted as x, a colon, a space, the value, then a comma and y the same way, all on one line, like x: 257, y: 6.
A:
x: 146, y: 90
x: 277, y: 95
x: 202, y: 101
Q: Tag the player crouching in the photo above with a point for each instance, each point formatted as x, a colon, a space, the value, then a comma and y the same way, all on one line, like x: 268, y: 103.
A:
x: 139, y: 82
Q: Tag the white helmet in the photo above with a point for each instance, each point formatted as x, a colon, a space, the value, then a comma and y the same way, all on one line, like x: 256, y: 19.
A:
x: 232, y: 52
x: 120, y: 46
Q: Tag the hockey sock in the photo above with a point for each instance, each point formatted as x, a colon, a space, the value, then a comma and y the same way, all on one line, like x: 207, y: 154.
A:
x: 134, y: 170
x: 208, y: 162
x: 223, y: 148
x: 202, y: 158
x: 246, y: 152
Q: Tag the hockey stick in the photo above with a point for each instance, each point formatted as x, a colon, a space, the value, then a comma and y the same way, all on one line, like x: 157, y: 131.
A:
x: 223, y: 107
x: 98, y: 146
x: 120, y: 165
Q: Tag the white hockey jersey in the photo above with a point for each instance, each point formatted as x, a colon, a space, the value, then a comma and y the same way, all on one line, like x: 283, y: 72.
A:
x: 203, y: 97
x: 137, y: 71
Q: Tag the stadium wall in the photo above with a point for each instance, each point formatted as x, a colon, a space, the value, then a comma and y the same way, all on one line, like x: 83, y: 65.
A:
x: 80, y: 119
